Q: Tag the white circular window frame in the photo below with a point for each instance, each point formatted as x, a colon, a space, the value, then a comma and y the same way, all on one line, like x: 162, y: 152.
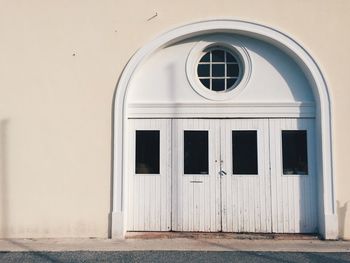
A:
x: 229, y: 44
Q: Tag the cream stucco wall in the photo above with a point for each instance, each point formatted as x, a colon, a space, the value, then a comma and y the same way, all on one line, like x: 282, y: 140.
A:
x: 59, y: 65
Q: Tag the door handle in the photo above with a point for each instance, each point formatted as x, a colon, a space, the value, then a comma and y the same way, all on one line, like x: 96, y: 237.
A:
x: 222, y: 173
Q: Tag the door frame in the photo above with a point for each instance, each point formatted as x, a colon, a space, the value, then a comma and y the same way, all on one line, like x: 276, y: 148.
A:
x: 328, y: 220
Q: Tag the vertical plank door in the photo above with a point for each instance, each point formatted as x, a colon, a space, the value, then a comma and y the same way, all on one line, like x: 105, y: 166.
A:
x: 293, y: 175
x: 149, y: 175
x: 196, y: 179
x: 245, y: 181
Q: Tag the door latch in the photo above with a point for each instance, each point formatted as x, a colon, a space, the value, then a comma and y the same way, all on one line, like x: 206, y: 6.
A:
x: 222, y: 173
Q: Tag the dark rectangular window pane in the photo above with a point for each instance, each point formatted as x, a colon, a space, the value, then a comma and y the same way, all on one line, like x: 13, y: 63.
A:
x: 244, y: 152
x: 196, y: 152
x: 218, y: 56
x: 294, y: 152
x: 218, y: 84
x: 147, y: 152
x: 232, y: 70
x: 218, y: 70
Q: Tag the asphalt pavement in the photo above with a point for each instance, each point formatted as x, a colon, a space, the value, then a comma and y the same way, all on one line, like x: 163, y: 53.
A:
x: 182, y: 248
x: 173, y: 256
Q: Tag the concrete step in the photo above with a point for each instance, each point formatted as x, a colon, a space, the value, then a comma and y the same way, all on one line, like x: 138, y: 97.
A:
x: 220, y: 235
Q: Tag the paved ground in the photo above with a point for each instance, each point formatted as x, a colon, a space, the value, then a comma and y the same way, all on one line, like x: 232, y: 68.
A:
x: 173, y: 256
x: 171, y: 244
x: 179, y: 249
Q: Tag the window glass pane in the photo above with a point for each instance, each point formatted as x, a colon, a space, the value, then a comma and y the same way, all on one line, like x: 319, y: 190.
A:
x: 218, y: 56
x: 147, y: 152
x: 294, y: 152
x: 203, y: 70
x: 244, y: 152
x: 196, y: 152
x: 232, y: 70
x: 230, y: 82
x: 218, y: 84
x: 206, y: 58
x: 205, y: 82
x: 218, y: 70
x: 230, y: 58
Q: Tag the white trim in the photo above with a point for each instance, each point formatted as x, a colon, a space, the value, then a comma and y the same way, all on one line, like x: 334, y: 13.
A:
x: 222, y: 110
x: 327, y: 212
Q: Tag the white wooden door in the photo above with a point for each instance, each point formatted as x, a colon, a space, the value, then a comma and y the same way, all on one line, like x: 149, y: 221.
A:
x: 149, y: 177
x: 245, y: 177
x: 196, y: 179
x: 293, y: 176
x: 230, y: 175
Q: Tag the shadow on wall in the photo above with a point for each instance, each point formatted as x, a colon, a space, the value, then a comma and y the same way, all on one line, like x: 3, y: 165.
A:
x: 291, y: 72
x: 341, y: 218
x: 3, y: 179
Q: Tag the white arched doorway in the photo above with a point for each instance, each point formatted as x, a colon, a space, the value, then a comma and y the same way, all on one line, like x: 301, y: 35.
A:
x: 280, y: 92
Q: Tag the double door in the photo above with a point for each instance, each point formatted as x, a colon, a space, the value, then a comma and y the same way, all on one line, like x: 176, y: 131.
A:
x: 230, y: 175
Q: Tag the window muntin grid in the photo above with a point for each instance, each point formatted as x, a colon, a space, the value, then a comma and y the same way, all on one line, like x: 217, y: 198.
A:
x: 218, y: 70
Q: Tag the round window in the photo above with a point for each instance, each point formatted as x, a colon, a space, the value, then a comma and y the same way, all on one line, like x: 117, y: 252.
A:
x: 218, y: 67
x: 219, y: 70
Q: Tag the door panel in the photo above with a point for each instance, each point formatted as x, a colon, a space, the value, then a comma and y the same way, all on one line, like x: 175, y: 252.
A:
x: 149, y: 178
x: 196, y: 197
x: 246, y: 202
x: 294, y: 202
